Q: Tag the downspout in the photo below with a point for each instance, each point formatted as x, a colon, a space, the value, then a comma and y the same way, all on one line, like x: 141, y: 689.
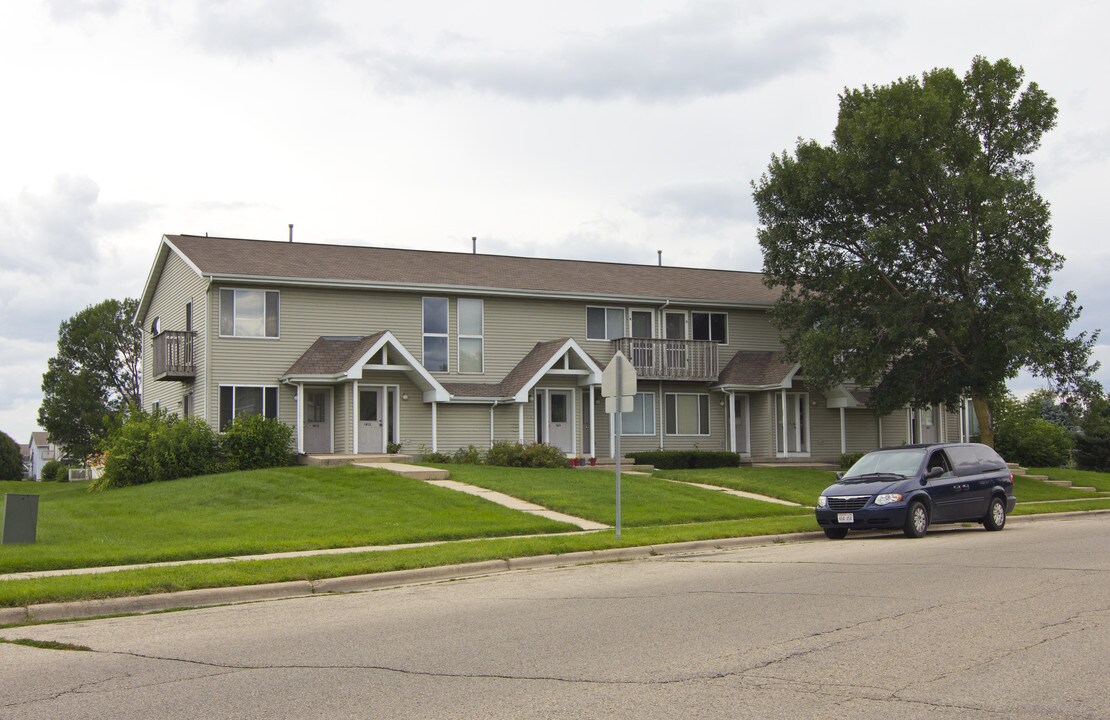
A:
x: 491, y: 407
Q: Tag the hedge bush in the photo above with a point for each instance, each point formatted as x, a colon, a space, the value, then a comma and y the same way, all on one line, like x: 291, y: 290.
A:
x: 469, y: 455
x: 685, y: 459
x: 847, y: 460
x: 1092, y: 451
x: 49, y: 470
x: 1033, y: 442
x: 536, y: 455
x: 252, y: 442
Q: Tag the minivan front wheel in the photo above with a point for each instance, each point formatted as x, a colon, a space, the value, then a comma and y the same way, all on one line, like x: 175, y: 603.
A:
x: 996, y: 515
x: 917, y: 520
x: 836, y: 533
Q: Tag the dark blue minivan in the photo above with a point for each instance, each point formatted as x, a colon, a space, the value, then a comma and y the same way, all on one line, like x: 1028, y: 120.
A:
x: 915, y: 486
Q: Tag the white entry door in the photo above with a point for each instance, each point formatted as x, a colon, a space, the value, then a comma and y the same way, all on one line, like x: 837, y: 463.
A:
x: 740, y: 440
x: 317, y: 420
x: 370, y: 436
x: 560, y: 431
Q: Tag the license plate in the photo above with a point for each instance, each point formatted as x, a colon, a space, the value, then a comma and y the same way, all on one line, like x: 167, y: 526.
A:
x: 845, y: 518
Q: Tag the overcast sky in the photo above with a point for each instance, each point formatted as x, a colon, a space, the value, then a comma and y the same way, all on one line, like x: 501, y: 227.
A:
x: 584, y: 130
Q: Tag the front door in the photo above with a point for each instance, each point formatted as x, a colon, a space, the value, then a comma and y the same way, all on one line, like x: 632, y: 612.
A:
x: 797, y: 423
x: 370, y: 421
x: 740, y: 440
x: 317, y: 420
x: 641, y: 327
x: 674, y: 328
x: 587, y: 448
x: 559, y: 427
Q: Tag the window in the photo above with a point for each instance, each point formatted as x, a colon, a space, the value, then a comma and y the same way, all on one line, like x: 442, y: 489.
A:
x: 641, y: 421
x: 188, y: 316
x: 248, y: 313
x: 643, y: 323
x: 435, y: 334
x: 709, y: 326
x: 687, y: 414
x: 674, y: 325
x: 604, y: 323
x: 236, y: 400
x: 471, y: 343
x: 156, y: 326
x: 186, y: 405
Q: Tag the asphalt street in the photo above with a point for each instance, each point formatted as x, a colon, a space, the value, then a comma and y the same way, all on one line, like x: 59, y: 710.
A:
x: 961, y: 624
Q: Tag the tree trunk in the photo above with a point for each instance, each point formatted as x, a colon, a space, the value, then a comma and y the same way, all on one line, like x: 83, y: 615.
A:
x: 983, y: 414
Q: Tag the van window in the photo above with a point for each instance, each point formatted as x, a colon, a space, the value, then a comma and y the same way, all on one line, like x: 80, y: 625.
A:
x: 965, y: 459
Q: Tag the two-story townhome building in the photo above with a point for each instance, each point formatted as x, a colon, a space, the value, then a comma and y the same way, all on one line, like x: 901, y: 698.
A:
x: 358, y: 348
x: 40, y: 451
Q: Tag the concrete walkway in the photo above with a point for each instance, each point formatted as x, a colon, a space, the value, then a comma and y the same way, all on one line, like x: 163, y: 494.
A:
x: 517, y: 504
x: 738, y: 493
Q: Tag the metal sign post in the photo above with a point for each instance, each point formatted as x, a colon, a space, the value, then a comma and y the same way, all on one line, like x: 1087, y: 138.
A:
x: 618, y: 387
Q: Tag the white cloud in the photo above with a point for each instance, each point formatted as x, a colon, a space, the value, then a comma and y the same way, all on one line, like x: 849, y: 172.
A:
x: 77, y: 10
x: 257, y: 27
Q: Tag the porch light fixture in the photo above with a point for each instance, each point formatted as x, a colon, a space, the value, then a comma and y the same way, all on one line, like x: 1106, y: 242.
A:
x: 404, y: 396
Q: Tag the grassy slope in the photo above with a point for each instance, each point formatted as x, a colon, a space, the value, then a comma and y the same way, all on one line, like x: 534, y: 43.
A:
x: 1082, y: 478
x: 296, y: 508
x: 1028, y: 490
x: 591, y: 494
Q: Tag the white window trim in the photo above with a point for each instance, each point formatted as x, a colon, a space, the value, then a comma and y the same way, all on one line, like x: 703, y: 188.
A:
x: 446, y: 336
x: 606, y: 308
x: 685, y: 324
x: 709, y: 419
x: 233, y: 386
x: 653, y: 425
x: 461, y: 337
x: 690, y: 330
x: 219, y: 312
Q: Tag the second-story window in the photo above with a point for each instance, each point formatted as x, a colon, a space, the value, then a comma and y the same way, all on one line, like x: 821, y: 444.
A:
x: 604, y: 323
x: 471, y: 335
x: 709, y: 326
x: 248, y: 313
x: 435, y: 334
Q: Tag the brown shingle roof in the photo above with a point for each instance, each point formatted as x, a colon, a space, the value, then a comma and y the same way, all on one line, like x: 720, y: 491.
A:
x: 356, y: 264
x: 39, y: 437
x: 331, y: 355
x: 756, y: 368
x: 511, y: 384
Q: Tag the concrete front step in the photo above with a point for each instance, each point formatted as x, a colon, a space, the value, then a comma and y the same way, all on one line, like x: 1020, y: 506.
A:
x: 1061, y: 483
x: 414, y: 472
x: 645, y: 469
x: 333, y: 459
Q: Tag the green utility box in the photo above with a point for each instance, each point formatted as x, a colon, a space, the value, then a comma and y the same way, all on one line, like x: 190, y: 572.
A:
x: 21, y: 518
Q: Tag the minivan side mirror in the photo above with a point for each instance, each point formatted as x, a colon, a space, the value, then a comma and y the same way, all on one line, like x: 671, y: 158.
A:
x: 839, y: 475
x: 933, y: 473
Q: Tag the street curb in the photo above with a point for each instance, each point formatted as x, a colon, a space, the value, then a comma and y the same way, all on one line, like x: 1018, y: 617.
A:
x: 47, y: 612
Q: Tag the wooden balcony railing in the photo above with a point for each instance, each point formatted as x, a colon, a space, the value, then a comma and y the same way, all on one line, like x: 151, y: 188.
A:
x: 173, y: 355
x: 659, y: 359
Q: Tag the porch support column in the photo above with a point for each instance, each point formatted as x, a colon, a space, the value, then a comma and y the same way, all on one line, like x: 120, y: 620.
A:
x: 843, y: 437
x: 355, y: 399
x: 386, y: 419
x: 731, y: 422
x: 880, y: 419
x: 785, y: 426
x: 520, y: 422
x: 300, y: 418
x: 662, y: 411
x: 593, y: 432
x: 435, y: 445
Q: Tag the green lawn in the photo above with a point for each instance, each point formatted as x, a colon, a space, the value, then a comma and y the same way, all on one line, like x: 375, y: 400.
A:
x: 800, y: 485
x: 591, y: 494
x: 296, y: 508
x: 1028, y: 490
x: 1082, y: 478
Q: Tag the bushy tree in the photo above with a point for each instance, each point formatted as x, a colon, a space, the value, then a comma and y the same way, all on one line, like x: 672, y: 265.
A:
x: 1092, y: 444
x: 1024, y: 437
x: 93, y: 377
x: 252, y: 442
x: 11, y: 461
x: 912, y: 253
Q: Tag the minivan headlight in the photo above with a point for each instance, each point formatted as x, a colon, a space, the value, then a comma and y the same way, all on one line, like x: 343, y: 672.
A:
x: 888, y: 498
x: 822, y: 501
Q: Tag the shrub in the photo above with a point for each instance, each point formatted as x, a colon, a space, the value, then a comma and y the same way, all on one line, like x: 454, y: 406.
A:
x: 150, y: 447
x: 252, y: 442
x: 1092, y: 451
x: 685, y: 459
x: 470, y: 455
x: 393, y: 448
x: 61, y: 473
x: 49, y: 470
x: 1032, y: 441
x: 435, y: 457
x: 847, y: 460
x: 11, y: 463
x: 536, y: 455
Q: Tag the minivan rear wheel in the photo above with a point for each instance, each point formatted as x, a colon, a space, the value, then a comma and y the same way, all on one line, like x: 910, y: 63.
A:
x: 917, y: 520
x: 996, y: 515
x: 836, y: 533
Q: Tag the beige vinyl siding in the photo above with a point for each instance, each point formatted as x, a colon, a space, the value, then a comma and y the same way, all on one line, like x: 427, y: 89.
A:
x: 762, y: 419
x: 177, y: 286
x: 462, y: 425
x: 861, y: 430
x: 341, y: 417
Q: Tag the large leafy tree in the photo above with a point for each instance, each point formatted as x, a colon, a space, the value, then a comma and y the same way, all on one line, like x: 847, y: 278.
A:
x: 11, y: 461
x: 913, y: 252
x: 94, y: 376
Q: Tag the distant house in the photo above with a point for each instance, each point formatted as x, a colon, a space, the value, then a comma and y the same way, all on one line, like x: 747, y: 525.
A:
x: 358, y: 348
x: 41, y: 450
x: 25, y: 456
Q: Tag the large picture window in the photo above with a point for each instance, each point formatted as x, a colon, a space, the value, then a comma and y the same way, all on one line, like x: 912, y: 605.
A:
x: 471, y: 336
x: 641, y: 421
x: 248, y: 313
x: 709, y: 326
x: 604, y: 323
x: 236, y: 400
x: 435, y: 334
x: 687, y: 414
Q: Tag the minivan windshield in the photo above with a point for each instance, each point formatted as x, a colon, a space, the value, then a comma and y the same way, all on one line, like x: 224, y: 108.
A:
x: 888, y: 462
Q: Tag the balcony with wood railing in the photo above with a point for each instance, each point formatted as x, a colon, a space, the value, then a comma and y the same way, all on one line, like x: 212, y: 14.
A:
x: 173, y: 355
x: 659, y: 359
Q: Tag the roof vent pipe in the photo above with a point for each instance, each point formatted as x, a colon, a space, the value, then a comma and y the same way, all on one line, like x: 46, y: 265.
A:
x: 290, y: 232
x: 474, y: 245
x: 658, y: 251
